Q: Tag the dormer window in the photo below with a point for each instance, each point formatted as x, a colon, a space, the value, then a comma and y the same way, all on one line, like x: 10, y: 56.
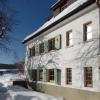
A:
x: 60, y: 5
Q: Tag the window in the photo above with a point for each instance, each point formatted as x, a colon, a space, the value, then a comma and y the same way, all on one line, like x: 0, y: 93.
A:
x: 88, y: 77
x: 41, y: 48
x: 51, y: 75
x: 69, y: 76
x: 51, y: 44
x: 40, y: 75
x: 33, y: 51
x: 87, y: 31
x: 69, y: 40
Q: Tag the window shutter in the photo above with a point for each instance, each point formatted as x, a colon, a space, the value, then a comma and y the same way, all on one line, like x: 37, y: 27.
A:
x: 29, y: 74
x: 59, y: 76
x: 46, y: 46
x: 55, y: 75
x: 29, y: 52
x: 34, y: 74
x: 45, y: 73
x: 37, y: 50
x: 58, y: 42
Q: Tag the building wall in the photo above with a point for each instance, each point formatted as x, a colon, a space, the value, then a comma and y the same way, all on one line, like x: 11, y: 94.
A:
x: 68, y: 93
x: 71, y: 56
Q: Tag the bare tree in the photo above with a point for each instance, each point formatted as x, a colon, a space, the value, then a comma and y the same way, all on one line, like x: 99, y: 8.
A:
x: 7, y: 24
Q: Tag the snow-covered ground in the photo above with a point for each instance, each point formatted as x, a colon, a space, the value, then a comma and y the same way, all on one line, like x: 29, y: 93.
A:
x: 9, y: 92
x: 7, y: 79
x: 20, y: 93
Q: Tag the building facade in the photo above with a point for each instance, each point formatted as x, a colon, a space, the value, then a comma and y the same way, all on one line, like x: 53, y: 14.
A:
x: 62, y: 56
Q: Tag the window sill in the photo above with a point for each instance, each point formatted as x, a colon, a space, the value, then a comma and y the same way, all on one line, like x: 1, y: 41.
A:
x: 90, y: 40
x: 51, y: 81
x: 89, y: 86
x: 51, y: 51
x: 69, y: 46
x: 42, y: 54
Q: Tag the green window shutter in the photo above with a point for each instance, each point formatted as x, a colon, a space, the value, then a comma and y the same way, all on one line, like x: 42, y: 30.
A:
x: 46, y: 46
x: 59, y: 77
x: 29, y: 52
x: 34, y: 75
x: 29, y: 74
x: 45, y: 73
x: 55, y: 75
x: 36, y: 50
x: 58, y: 42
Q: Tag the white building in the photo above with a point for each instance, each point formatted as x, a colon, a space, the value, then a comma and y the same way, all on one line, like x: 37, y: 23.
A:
x: 62, y: 56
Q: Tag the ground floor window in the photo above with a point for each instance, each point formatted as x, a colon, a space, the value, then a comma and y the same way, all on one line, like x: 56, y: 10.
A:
x: 68, y: 75
x: 51, y: 75
x: 40, y: 75
x: 88, y: 77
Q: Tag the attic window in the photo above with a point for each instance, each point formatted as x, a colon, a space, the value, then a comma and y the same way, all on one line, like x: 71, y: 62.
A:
x: 64, y: 6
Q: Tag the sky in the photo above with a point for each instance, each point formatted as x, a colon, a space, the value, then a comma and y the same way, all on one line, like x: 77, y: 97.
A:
x: 30, y: 14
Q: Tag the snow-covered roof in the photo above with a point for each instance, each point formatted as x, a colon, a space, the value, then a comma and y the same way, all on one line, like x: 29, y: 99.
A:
x: 66, y: 11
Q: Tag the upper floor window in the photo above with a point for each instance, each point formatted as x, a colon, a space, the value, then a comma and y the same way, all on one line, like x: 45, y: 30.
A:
x: 69, y: 40
x: 68, y: 75
x: 88, y: 77
x: 87, y: 31
x: 41, y: 48
x: 51, y: 44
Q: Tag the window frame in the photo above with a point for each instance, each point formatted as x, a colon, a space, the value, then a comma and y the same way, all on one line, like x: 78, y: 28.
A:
x: 68, y: 44
x: 85, y: 33
x: 88, y: 77
x: 51, y: 44
x: 69, y: 76
x: 51, y: 75
x: 41, y: 48
x: 30, y: 52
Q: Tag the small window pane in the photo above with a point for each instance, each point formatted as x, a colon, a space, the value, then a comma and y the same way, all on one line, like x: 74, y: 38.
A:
x: 69, y: 38
x: 88, y: 76
x: 69, y: 76
x: 89, y: 36
x: 87, y: 31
